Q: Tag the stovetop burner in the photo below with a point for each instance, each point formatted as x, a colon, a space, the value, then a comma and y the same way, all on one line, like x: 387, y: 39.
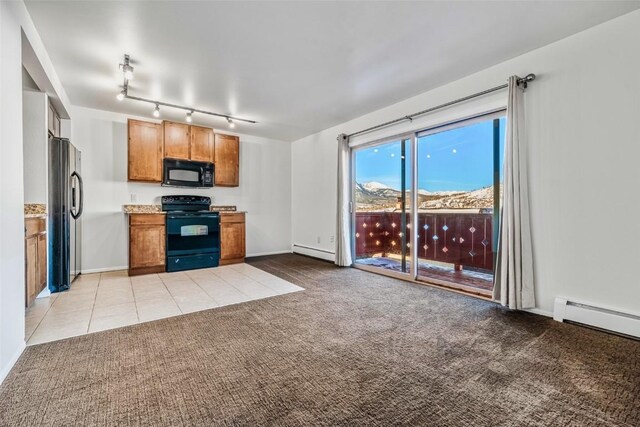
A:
x: 181, y: 203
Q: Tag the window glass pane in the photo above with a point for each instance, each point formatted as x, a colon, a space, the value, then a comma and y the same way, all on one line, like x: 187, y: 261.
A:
x: 183, y: 175
x: 382, y: 205
x: 456, y: 195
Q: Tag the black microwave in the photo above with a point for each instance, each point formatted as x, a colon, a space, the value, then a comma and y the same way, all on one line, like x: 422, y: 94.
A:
x: 187, y: 173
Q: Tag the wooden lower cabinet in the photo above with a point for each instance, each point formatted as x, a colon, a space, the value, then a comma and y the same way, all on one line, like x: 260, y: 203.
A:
x: 35, y: 258
x: 147, y: 243
x: 232, y: 238
x: 42, y: 261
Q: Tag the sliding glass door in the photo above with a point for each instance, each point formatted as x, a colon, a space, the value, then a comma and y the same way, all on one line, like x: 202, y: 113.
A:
x: 459, y: 192
x: 456, y: 170
x: 382, y: 191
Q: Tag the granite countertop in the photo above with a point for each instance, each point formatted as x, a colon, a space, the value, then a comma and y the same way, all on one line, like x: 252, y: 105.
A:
x: 35, y: 210
x: 142, y: 209
x: 157, y: 209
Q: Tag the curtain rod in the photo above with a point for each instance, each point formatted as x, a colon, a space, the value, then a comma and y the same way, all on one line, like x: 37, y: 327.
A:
x: 524, y: 80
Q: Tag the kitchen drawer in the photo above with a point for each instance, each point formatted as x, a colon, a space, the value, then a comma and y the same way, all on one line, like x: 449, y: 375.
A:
x: 147, y: 219
x: 231, y: 217
x: 190, y: 262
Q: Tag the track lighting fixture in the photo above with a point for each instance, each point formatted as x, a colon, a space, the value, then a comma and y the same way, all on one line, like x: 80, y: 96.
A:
x: 126, y: 68
x: 127, y: 71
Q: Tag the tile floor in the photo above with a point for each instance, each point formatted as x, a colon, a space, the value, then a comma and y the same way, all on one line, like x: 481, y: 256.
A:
x: 101, y: 301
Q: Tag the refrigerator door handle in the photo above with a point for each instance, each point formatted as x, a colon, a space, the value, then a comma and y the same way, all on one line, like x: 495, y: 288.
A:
x: 77, y: 214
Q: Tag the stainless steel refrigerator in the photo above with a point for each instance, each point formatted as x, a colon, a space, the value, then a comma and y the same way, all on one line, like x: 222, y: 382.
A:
x: 66, y: 199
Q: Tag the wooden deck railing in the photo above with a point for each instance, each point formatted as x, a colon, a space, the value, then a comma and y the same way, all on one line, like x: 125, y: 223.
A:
x: 462, y: 239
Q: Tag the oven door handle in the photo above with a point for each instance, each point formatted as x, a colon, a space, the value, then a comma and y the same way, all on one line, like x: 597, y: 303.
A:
x: 208, y: 216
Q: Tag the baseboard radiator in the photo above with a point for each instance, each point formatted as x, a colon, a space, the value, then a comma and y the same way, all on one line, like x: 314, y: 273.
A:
x: 314, y: 252
x: 598, y: 317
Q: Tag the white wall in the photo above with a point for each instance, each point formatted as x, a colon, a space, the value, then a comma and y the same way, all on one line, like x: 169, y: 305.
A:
x: 583, y: 115
x: 264, y: 191
x: 35, y: 108
x: 11, y: 196
x: 14, y: 20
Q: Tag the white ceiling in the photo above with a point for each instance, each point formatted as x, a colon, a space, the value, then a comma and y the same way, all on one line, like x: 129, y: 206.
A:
x: 295, y: 67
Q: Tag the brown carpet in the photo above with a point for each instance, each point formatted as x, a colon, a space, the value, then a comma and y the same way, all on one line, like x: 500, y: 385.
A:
x: 355, y: 348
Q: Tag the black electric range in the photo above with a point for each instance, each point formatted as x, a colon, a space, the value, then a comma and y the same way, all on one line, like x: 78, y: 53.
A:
x: 193, y: 233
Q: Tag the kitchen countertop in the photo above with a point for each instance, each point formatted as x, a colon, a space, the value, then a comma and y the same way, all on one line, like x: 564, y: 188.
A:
x: 142, y: 209
x: 35, y: 210
x: 157, y: 209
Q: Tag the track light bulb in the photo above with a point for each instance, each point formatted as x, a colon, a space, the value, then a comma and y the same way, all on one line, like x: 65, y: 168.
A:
x: 120, y: 96
x: 231, y: 124
x: 156, y: 112
x: 189, y: 116
x: 128, y: 71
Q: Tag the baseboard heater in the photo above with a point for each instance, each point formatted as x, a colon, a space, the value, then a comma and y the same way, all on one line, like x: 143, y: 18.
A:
x: 314, y: 252
x: 598, y: 317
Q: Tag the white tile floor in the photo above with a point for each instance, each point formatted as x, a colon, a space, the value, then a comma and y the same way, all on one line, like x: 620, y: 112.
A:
x: 101, y: 301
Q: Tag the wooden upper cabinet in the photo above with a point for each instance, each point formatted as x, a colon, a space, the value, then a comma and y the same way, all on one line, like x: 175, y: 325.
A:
x: 176, y: 140
x: 53, y: 121
x: 56, y: 125
x: 149, y: 143
x: 201, y: 144
x: 227, y: 160
x: 145, y: 151
x: 50, y: 119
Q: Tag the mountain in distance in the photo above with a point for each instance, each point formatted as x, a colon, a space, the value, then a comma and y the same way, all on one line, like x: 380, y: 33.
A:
x: 375, y: 196
x: 373, y: 186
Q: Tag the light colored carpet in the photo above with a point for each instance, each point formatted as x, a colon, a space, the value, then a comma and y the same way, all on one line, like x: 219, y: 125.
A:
x: 353, y: 349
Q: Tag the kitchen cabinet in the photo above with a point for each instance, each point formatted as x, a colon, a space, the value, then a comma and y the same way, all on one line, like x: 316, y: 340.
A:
x: 227, y: 160
x: 201, y: 144
x: 147, y: 243
x: 53, y: 122
x: 176, y: 140
x: 145, y: 151
x: 35, y: 258
x: 188, y: 142
x: 232, y: 238
x: 149, y: 143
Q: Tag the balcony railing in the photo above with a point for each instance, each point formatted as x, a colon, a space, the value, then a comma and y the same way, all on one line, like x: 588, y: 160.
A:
x: 462, y: 239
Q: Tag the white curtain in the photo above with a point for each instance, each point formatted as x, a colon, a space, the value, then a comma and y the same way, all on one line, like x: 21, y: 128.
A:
x: 343, y: 239
x: 514, y: 268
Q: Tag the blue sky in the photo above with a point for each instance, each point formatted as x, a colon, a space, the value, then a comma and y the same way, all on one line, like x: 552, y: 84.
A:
x: 458, y: 159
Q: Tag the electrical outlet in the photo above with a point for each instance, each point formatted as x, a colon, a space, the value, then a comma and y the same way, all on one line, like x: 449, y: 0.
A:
x: 134, y: 198
x: 332, y: 239
x: 318, y: 239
